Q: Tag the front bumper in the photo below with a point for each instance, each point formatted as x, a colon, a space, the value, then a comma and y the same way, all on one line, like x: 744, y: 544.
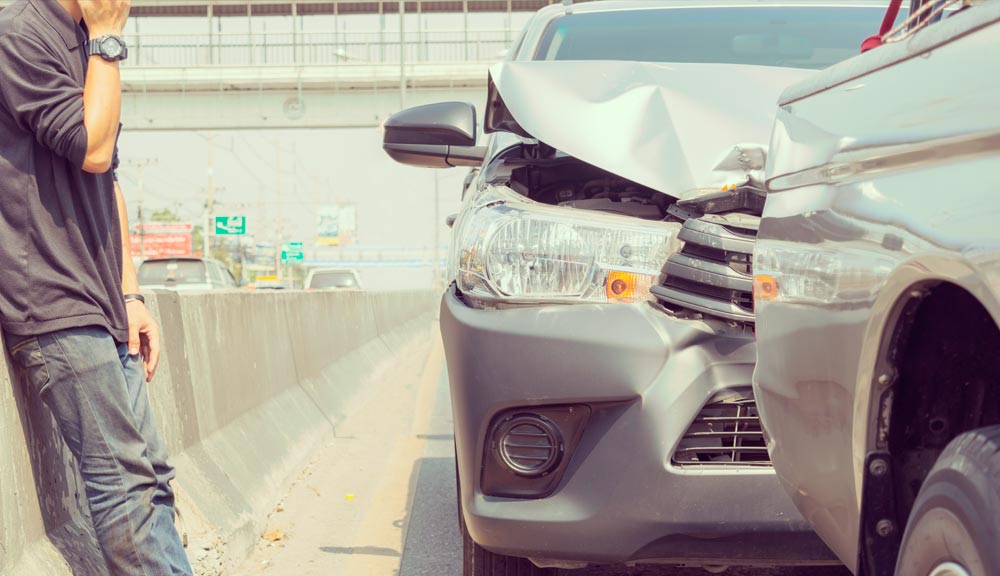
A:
x: 645, y: 376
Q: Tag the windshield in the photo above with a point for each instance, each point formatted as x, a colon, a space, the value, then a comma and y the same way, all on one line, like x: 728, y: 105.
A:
x: 333, y: 280
x: 176, y: 272
x: 796, y: 37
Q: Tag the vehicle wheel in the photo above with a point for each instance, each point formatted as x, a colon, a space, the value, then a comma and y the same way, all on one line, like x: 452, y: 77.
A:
x: 954, y: 527
x: 477, y: 561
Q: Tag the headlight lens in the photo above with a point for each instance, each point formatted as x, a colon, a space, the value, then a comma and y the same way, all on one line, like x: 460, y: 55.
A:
x: 814, y: 275
x: 514, y: 250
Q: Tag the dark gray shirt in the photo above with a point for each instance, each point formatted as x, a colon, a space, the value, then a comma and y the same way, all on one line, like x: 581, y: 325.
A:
x: 60, y: 241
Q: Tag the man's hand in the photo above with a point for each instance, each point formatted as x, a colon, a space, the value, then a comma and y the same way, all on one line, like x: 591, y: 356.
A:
x: 104, y: 17
x: 143, y: 336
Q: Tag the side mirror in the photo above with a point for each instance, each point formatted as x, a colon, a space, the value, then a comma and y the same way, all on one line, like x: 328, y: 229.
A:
x: 434, y: 136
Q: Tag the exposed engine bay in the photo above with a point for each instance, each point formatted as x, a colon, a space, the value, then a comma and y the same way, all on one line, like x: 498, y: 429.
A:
x: 562, y: 180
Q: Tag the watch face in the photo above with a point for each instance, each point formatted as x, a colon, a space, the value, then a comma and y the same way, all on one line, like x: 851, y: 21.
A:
x: 111, y: 48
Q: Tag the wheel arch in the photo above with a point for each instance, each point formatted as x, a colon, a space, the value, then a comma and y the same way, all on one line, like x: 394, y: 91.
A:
x: 923, y: 378
x: 887, y: 330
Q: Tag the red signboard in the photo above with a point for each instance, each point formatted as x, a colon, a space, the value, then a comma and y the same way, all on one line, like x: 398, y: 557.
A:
x: 164, y: 228
x: 162, y: 245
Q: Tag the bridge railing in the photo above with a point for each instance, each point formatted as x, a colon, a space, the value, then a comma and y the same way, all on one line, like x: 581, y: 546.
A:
x: 326, y: 48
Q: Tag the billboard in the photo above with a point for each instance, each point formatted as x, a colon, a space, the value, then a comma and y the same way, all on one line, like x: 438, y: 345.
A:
x: 163, y: 228
x: 336, y: 225
x: 162, y: 239
x: 161, y: 245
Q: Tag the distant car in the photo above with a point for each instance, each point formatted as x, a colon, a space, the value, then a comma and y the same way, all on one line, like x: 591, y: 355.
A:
x: 333, y: 279
x: 185, y: 274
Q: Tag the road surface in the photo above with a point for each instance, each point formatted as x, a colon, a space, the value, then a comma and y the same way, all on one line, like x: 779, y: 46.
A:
x: 380, y: 498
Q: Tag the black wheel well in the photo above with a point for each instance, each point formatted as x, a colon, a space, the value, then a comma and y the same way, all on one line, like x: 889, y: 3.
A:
x: 946, y: 356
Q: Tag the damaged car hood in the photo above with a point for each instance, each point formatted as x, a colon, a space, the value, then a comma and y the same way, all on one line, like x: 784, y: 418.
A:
x: 676, y: 128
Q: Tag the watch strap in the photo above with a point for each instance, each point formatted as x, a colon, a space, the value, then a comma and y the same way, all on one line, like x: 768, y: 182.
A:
x: 135, y: 297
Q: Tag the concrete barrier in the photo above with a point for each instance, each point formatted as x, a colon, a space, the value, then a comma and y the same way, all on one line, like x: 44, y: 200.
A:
x: 250, y: 384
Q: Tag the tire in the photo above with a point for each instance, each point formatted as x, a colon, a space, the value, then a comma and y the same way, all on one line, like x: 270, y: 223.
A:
x: 954, y: 528
x: 478, y: 561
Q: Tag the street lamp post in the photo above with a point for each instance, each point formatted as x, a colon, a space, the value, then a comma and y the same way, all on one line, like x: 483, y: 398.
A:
x: 139, y: 166
x: 209, y: 203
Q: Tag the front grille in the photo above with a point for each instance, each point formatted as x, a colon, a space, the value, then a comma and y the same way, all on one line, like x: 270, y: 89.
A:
x: 725, y: 433
x: 713, y: 272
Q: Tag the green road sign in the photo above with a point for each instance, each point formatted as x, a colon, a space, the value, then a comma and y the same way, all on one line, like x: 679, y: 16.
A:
x: 293, y: 253
x: 230, y: 225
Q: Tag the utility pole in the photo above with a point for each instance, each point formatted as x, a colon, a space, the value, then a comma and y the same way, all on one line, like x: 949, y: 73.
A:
x: 209, y: 202
x: 139, y: 165
x: 277, y: 198
x: 402, y: 54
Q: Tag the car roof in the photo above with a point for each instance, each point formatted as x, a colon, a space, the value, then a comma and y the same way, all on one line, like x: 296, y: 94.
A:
x: 540, y: 21
x: 622, y: 5
x: 179, y: 259
x: 324, y: 270
x: 175, y: 259
x: 552, y: 11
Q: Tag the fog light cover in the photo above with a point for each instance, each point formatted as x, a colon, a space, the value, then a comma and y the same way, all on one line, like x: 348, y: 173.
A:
x: 528, y: 444
x: 527, y: 449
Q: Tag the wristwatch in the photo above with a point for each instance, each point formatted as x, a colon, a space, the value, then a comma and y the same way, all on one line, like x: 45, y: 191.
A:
x: 111, y: 48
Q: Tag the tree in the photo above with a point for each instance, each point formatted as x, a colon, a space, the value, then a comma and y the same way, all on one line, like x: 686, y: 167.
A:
x: 165, y: 215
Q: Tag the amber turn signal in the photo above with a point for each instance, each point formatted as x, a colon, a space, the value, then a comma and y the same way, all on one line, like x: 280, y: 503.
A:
x: 627, y: 286
x: 765, y: 288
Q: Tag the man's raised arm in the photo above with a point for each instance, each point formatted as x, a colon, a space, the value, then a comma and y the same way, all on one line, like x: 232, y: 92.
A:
x: 102, y: 93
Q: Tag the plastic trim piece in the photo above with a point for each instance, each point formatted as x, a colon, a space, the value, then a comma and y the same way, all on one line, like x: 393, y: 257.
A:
x: 702, y: 304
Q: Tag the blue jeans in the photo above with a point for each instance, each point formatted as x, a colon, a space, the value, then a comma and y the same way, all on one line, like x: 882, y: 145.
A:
x: 97, y: 393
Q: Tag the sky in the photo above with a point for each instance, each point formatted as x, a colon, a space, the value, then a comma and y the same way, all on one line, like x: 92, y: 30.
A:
x: 395, y: 204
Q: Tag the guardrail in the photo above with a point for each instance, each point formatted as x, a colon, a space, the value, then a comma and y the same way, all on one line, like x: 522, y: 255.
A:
x: 326, y: 48
x: 248, y: 385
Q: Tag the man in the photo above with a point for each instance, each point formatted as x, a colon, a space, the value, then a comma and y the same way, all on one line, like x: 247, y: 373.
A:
x: 78, y: 332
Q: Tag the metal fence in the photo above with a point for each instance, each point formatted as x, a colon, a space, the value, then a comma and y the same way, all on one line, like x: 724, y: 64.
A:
x: 316, y: 48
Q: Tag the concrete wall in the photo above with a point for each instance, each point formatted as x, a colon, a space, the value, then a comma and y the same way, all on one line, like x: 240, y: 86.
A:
x: 250, y: 384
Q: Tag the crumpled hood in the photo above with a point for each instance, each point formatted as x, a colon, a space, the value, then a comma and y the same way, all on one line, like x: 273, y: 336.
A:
x: 671, y: 127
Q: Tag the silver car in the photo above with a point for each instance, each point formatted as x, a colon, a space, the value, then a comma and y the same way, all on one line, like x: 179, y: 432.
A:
x: 599, y: 326
x: 185, y: 274
x: 878, y: 299
x: 333, y: 279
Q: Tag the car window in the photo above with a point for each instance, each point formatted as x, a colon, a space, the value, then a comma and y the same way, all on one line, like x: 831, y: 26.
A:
x: 518, y: 44
x: 177, y: 271
x: 333, y: 280
x: 798, y: 36
x: 216, y: 273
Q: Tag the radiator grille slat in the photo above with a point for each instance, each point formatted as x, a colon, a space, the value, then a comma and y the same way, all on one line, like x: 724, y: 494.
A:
x: 725, y: 433
x: 713, y: 272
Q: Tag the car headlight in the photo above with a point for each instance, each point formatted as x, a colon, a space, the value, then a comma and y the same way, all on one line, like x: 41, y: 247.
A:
x: 817, y: 276
x: 513, y: 250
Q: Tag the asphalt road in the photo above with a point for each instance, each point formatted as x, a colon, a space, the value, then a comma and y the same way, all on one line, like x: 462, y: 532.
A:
x: 380, y: 499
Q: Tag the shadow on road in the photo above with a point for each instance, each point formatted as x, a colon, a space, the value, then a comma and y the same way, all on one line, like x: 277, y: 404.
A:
x: 433, y: 545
